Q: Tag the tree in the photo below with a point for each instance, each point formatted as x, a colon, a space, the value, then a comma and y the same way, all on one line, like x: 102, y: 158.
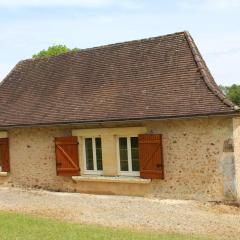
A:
x: 232, y: 92
x: 53, y: 51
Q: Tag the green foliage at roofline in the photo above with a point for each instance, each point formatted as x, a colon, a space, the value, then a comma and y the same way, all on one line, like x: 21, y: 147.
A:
x: 232, y: 93
x: 53, y: 51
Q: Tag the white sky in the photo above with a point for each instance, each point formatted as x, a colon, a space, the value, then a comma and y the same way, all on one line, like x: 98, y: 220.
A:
x: 30, y: 26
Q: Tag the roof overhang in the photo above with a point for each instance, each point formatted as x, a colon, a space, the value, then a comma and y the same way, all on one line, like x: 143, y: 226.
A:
x: 135, y: 121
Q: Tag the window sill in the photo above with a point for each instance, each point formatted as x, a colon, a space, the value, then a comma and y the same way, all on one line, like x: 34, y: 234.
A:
x: 3, y: 174
x: 135, y: 180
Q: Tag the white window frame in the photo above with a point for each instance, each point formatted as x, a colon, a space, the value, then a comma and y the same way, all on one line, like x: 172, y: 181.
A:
x: 95, y: 171
x: 130, y: 172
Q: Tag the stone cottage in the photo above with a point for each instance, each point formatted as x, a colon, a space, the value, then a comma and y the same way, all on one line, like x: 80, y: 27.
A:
x: 140, y: 118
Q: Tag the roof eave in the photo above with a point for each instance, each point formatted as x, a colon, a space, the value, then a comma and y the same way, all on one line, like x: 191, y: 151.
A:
x: 133, y: 120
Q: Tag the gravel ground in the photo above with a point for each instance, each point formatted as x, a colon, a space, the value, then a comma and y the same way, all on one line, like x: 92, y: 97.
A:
x: 188, y: 217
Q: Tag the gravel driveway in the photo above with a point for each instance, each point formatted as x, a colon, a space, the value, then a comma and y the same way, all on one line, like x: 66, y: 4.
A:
x: 180, y: 216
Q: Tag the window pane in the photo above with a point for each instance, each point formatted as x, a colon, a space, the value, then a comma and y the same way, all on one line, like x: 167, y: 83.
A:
x: 99, y: 153
x: 135, y: 153
x: 123, y: 154
x: 135, y: 165
x: 89, y: 153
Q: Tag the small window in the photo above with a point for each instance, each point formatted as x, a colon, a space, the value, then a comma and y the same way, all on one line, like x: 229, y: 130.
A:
x: 128, y: 155
x: 93, y: 155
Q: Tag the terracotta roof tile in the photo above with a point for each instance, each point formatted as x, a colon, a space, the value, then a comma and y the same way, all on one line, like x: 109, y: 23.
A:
x: 159, y: 77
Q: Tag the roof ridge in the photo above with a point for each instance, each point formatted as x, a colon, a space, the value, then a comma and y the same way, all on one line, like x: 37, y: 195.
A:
x: 206, y: 73
x: 104, y: 46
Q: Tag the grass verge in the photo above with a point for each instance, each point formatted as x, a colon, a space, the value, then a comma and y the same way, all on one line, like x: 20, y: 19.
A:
x: 24, y: 227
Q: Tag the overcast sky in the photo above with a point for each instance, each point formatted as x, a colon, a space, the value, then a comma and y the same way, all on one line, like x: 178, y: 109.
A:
x: 28, y: 26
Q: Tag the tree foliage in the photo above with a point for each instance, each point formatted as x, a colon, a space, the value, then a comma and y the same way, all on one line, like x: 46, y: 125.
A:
x: 53, y: 51
x: 232, y: 92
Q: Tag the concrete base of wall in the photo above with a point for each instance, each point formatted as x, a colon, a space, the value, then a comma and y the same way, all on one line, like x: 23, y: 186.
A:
x: 128, y: 189
x: 4, y: 180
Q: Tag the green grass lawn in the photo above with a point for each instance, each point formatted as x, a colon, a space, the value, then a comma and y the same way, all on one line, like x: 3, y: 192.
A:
x: 24, y: 227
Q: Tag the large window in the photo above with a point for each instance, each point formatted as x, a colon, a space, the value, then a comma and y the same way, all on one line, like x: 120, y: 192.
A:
x: 93, y: 155
x: 128, y: 156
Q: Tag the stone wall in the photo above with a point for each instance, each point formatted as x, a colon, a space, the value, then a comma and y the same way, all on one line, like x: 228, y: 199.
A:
x: 194, y: 160
x: 32, y: 157
x: 236, y: 140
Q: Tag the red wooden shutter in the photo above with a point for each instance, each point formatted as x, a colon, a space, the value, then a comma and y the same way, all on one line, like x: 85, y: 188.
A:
x: 151, y: 156
x: 67, y: 156
x: 4, y: 151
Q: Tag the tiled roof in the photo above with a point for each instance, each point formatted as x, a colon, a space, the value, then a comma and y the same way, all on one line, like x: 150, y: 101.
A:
x: 160, y: 77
